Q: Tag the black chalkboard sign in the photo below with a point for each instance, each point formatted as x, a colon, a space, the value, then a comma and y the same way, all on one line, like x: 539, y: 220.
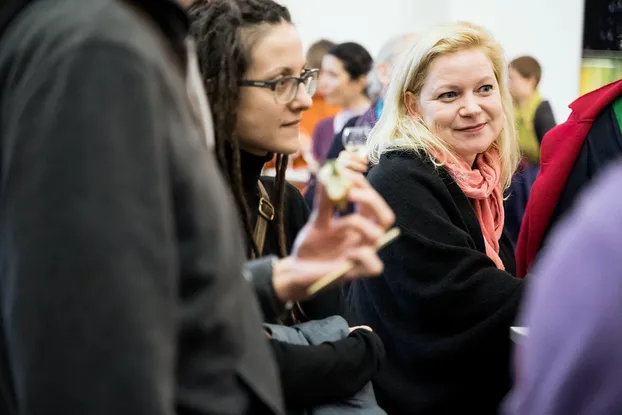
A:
x: 602, y: 28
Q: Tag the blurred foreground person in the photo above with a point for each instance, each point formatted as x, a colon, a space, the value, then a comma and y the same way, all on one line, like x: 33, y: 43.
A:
x: 122, y: 256
x: 570, y: 362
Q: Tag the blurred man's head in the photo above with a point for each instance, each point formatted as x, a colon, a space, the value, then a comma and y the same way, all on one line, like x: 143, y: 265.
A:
x: 380, y: 76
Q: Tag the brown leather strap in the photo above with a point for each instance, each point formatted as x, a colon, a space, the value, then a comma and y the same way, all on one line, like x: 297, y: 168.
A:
x: 264, y: 215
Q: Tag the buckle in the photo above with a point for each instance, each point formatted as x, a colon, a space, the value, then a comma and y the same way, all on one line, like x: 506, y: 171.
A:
x: 266, y: 210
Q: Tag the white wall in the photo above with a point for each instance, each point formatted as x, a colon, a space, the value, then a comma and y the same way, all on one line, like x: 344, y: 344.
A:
x: 368, y: 22
x: 550, y: 30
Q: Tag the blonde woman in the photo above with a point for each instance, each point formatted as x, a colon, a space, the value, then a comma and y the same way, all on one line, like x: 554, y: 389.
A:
x: 444, y: 150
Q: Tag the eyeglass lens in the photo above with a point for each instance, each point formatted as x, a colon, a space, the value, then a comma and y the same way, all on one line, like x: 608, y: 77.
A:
x: 287, y: 88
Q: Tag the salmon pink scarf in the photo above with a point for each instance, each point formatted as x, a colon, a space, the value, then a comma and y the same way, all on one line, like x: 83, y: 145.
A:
x: 482, y: 185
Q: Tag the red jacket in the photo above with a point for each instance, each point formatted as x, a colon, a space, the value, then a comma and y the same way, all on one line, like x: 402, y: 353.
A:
x: 560, y: 148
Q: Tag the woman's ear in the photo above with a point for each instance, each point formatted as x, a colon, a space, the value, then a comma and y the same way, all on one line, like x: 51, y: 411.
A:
x: 412, y: 105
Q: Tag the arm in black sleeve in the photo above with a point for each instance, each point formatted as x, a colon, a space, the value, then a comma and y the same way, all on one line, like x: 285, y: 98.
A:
x: 316, y: 375
x: 88, y: 286
x: 544, y: 120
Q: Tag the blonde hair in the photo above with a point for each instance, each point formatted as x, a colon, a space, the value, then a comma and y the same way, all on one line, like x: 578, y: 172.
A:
x: 397, y: 130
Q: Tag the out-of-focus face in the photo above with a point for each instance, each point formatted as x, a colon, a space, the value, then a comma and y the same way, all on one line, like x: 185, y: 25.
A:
x: 263, y: 124
x: 322, y: 83
x: 460, y: 102
x: 519, y: 86
x: 336, y: 85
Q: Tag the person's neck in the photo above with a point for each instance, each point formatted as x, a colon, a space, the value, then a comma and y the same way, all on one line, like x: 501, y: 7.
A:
x: 357, y: 103
x: 524, y: 101
x: 251, y: 166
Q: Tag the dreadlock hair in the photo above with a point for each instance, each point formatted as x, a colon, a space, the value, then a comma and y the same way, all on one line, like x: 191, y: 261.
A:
x: 226, y: 32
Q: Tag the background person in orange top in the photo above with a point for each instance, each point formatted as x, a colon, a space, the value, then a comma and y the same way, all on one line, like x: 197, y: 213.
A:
x: 320, y: 108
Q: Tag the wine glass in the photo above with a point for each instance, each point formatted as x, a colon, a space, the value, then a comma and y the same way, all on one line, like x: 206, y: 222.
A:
x: 354, y: 139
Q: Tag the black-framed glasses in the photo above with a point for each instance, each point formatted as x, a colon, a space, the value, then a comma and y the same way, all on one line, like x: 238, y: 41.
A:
x: 286, y: 88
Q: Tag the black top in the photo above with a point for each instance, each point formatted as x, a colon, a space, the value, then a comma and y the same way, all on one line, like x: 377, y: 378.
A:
x: 312, y: 375
x: 442, y: 308
x: 543, y: 120
x: 296, y: 212
x: 121, y: 281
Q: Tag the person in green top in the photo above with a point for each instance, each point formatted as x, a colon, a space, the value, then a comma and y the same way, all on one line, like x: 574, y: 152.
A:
x: 534, y: 116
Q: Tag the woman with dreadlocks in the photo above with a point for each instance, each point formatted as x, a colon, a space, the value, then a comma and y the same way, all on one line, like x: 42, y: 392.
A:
x: 253, y: 67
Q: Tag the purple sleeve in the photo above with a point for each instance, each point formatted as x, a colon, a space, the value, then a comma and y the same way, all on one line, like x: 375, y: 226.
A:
x: 571, y: 356
x: 323, y: 135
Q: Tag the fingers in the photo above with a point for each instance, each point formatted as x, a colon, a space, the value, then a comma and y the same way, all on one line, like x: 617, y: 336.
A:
x: 369, y: 201
x: 354, y: 165
x: 353, y: 162
x: 372, y: 205
x: 324, y: 208
x: 368, y: 264
x: 367, y: 228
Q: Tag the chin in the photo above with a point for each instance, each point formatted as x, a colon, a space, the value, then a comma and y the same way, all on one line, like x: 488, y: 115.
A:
x: 483, y: 141
x: 288, y: 147
x: 331, y: 100
x: 481, y: 148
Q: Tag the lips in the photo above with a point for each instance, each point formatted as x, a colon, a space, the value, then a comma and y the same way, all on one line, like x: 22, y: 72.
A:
x: 291, y: 124
x: 472, y: 128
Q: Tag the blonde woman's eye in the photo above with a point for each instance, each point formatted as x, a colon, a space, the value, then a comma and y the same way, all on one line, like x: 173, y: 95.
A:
x: 486, y: 88
x: 447, y: 96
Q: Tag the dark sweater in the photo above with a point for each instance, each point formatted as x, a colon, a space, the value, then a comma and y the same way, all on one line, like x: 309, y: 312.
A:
x: 543, y: 120
x: 121, y: 284
x: 441, y: 307
x: 296, y: 212
x: 312, y: 375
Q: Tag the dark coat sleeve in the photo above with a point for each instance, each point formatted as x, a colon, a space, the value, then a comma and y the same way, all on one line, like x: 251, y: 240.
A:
x: 441, y: 307
x: 321, y: 374
x: 544, y: 120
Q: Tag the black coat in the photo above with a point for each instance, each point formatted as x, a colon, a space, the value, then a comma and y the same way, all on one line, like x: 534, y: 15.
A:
x: 441, y: 307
